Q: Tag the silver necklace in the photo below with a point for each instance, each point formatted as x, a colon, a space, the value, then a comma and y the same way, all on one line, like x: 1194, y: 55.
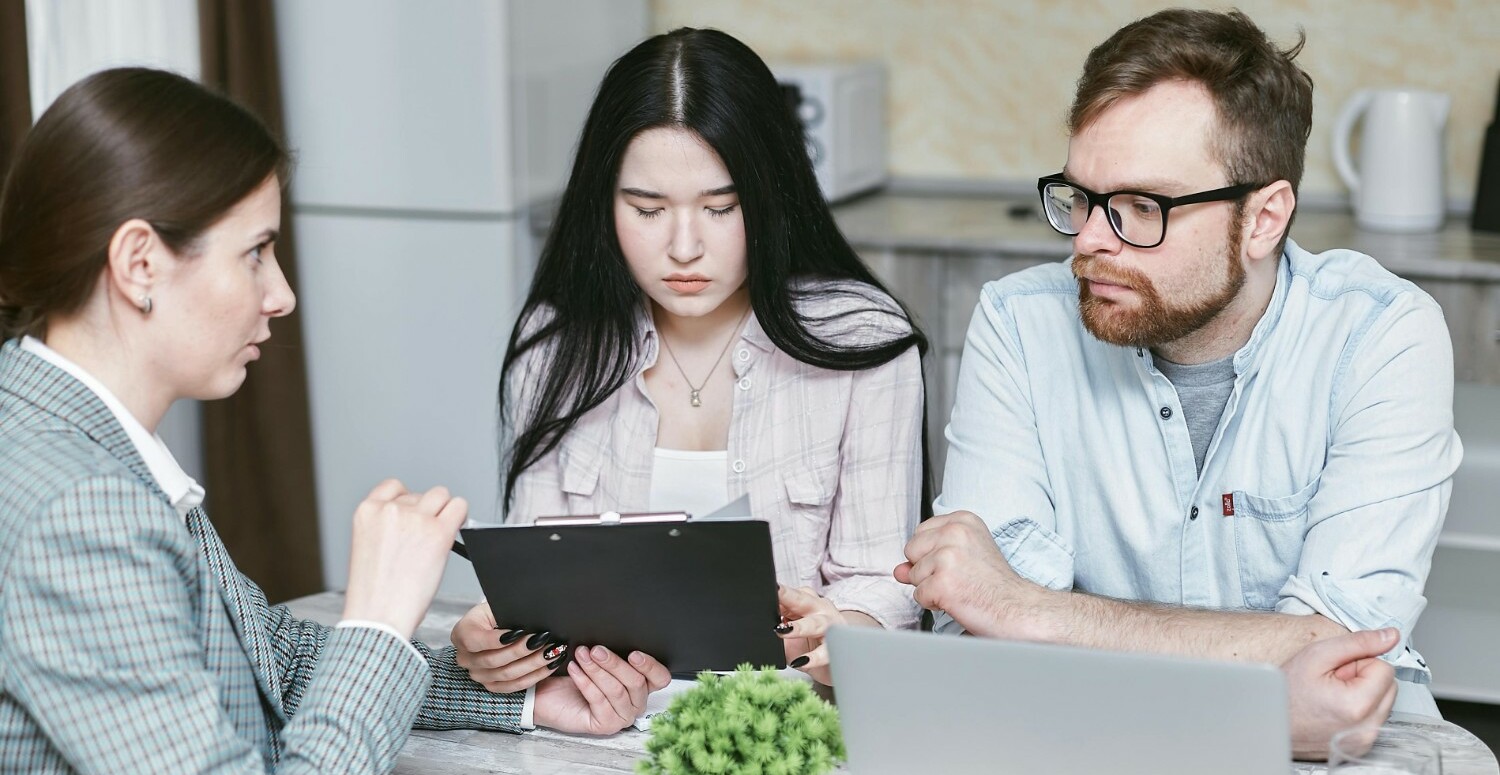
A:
x: 694, y: 398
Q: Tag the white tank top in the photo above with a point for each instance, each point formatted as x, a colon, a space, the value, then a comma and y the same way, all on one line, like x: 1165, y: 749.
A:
x: 694, y: 481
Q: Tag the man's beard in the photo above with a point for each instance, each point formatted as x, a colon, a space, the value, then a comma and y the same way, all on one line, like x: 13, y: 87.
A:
x: 1153, y: 322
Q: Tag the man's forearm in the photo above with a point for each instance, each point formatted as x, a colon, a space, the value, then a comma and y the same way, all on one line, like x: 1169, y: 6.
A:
x: 957, y: 568
x: 1082, y: 619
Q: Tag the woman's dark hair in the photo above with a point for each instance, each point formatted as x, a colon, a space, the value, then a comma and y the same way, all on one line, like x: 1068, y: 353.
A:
x: 583, y: 304
x: 120, y: 144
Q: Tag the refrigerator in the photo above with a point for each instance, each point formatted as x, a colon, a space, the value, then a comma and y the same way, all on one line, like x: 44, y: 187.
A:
x: 425, y: 135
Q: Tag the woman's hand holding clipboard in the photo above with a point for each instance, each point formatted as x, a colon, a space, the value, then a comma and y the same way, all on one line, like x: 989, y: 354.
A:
x: 699, y: 594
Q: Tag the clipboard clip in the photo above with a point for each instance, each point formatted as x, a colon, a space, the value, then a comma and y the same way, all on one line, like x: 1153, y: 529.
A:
x: 613, y: 518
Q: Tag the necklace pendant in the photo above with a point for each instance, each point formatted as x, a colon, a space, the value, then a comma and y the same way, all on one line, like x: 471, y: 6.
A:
x: 695, y: 400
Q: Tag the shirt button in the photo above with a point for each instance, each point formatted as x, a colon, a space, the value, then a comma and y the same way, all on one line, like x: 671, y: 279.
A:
x: 745, y: 383
x: 1166, y: 412
x: 743, y: 354
x: 738, y: 466
x: 1194, y: 513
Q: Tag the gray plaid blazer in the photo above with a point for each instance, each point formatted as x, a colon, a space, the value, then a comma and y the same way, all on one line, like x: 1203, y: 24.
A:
x: 129, y: 642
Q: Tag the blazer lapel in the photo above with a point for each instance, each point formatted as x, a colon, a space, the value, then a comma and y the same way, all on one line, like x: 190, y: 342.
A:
x: 241, y: 608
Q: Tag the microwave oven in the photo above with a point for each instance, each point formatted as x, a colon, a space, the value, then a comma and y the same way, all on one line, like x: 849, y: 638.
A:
x: 842, y: 110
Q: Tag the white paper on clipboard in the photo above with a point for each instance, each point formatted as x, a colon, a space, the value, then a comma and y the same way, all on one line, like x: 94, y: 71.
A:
x: 739, y: 508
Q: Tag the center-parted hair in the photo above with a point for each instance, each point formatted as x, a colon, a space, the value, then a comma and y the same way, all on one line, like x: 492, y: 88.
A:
x: 583, y: 304
x: 1263, y: 99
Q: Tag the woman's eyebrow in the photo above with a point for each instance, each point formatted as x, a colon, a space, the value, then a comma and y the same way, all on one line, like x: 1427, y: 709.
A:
x: 647, y: 194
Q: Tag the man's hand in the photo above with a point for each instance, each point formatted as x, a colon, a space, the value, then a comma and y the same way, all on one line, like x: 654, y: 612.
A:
x: 602, y: 693
x: 1338, y: 683
x: 956, y: 567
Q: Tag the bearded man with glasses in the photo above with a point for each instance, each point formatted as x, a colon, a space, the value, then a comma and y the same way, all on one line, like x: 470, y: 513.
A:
x: 1194, y: 437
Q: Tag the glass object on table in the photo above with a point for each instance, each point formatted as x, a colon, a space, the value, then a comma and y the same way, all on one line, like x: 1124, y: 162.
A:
x: 1384, y: 750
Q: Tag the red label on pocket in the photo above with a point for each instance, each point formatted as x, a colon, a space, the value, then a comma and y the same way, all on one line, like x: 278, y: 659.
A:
x: 1228, y: 504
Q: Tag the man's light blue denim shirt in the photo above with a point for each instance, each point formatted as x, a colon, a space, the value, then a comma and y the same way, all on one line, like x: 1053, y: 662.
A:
x: 1324, y: 487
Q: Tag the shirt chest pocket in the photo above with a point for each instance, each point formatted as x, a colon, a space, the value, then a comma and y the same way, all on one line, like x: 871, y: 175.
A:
x: 809, y: 488
x: 580, y: 457
x: 1268, y: 537
x: 803, y: 538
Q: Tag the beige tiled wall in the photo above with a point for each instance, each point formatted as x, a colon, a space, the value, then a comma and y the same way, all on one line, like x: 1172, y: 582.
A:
x: 979, y: 87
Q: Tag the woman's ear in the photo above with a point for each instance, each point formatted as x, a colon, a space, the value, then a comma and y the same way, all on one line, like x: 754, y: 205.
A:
x: 136, y: 253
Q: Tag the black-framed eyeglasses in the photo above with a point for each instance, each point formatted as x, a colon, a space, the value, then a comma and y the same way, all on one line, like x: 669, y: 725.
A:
x: 1137, y: 217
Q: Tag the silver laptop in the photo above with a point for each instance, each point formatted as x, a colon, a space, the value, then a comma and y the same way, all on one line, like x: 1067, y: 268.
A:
x: 919, y: 702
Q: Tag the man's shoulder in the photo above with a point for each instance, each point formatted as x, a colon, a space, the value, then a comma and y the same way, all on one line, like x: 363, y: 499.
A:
x: 1051, y: 277
x: 1046, y: 289
x: 1335, y: 274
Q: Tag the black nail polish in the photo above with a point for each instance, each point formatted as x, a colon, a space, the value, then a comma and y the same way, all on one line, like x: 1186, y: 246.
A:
x: 799, y: 661
x: 554, y: 651
x: 783, y: 628
x: 555, y: 664
x: 538, y: 639
x: 511, y: 637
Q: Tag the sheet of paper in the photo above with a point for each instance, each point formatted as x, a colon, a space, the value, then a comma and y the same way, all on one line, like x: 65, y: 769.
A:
x: 660, y: 700
x: 739, y: 508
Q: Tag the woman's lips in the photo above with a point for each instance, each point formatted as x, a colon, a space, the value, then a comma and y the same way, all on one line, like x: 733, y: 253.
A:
x: 687, y: 285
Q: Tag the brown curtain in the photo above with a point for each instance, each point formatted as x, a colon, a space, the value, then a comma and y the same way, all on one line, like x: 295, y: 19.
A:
x: 15, y: 81
x: 257, y: 444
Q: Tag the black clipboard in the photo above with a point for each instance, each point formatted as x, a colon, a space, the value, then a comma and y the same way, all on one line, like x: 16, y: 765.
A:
x: 695, y: 594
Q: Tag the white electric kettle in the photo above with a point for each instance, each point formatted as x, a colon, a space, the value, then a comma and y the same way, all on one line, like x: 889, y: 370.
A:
x: 1398, y: 185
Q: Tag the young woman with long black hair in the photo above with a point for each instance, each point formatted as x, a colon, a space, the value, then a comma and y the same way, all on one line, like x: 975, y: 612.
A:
x: 698, y: 329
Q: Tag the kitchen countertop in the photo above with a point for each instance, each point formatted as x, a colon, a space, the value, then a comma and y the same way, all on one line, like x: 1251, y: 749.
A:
x: 998, y: 225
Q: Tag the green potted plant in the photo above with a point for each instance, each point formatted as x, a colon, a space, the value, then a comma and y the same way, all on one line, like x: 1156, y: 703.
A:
x: 750, y: 722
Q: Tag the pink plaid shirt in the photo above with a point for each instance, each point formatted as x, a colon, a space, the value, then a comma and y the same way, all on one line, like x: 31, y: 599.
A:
x: 831, y: 459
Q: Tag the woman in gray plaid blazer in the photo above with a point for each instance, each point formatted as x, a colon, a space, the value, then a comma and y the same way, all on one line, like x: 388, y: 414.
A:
x: 137, y: 266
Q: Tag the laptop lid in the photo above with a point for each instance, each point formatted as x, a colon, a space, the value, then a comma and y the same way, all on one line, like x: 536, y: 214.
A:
x: 921, y: 702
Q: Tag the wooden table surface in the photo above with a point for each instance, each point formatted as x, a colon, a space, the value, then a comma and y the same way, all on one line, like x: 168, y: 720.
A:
x: 551, y: 753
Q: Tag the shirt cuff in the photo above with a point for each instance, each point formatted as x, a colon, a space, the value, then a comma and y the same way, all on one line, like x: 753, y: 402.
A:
x: 944, y: 624
x: 1036, y: 553
x: 528, y: 710
x: 1363, y: 604
x: 383, y: 628
x: 884, y: 599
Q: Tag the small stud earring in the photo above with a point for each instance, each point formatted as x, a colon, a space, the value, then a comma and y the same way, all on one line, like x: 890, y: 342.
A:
x: 145, y: 304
